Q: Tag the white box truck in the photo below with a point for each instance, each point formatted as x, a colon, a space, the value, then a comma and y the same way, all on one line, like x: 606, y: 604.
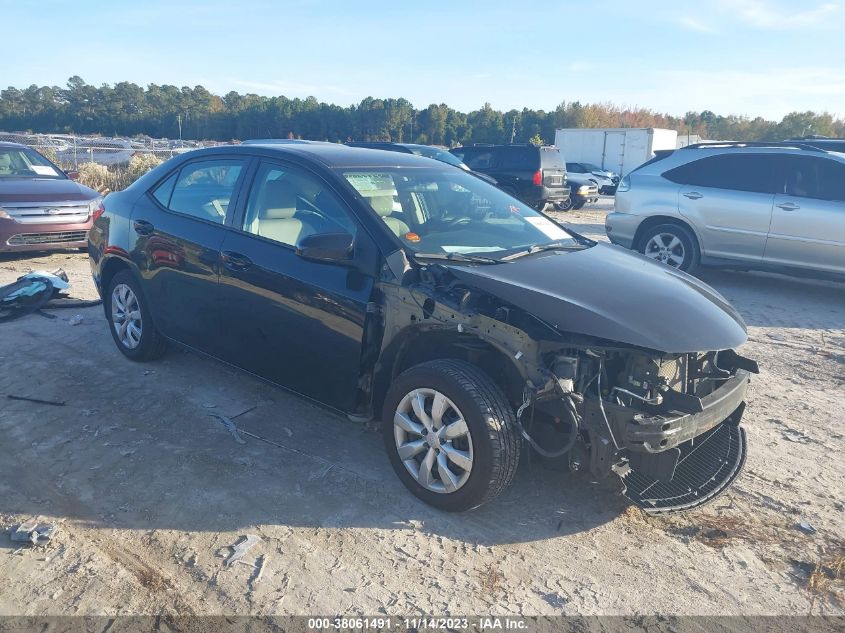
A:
x: 620, y: 150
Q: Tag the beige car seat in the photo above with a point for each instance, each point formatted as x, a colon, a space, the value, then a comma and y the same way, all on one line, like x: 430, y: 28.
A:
x: 275, y: 217
x: 5, y: 164
x: 383, y: 205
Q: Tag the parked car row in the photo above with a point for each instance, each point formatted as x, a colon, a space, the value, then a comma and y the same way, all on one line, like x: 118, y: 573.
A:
x: 768, y: 206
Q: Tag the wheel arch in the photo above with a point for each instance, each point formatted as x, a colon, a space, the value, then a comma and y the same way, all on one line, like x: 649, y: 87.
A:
x: 414, y: 347
x: 656, y: 220
x: 110, y: 267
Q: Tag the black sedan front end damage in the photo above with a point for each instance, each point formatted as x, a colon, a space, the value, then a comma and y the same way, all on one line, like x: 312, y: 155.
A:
x: 668, y: 425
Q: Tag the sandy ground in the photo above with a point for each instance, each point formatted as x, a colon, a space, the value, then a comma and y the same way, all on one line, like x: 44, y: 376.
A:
x: 149, y: 490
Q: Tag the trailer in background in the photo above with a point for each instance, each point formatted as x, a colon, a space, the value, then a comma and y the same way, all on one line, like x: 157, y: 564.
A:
x: 620, y: 150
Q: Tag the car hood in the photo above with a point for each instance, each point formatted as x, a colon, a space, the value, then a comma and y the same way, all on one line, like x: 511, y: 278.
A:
x: 580, y: 179
x: 43, y: 190
x: 607, y: 292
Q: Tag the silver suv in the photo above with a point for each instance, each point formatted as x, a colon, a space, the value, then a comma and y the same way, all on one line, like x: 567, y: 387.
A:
x: 778, y: 206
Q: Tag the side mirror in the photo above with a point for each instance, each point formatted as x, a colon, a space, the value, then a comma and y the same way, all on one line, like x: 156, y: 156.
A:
x: 73, y: 175
x: 326, y: 247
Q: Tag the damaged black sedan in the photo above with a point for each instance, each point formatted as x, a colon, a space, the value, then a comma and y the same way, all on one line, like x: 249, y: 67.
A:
x: 393, y: 287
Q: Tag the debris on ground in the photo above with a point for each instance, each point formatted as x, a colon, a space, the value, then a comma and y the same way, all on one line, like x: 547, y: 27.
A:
x: 76, y: 319
x: 796, y: 436
x: 806, y: 528
x: 34, y: 533
x: 240, y: 548
x: 230, y: 426
x: 260, y: 564
x: 55, y: 403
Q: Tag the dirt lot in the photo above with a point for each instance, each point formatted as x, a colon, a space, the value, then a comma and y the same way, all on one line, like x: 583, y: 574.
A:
x: 149, y: 490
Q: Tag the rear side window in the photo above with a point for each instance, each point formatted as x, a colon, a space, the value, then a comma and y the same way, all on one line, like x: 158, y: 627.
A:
x: 522, y: 158
x: 814, y: 178
x: 476, y: 158
x: 738, y: 172
x: 163, y: 192
x: 202, y: 189
x: 552, y: 158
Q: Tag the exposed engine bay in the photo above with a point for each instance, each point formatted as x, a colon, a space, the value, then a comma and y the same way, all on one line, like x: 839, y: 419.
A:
x: 666, y: 423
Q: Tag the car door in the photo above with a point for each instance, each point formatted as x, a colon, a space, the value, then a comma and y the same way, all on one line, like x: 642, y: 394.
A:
x: 178, y: 229
x: 728, y: 199
x: 294, y: 321
x: 808, y: 222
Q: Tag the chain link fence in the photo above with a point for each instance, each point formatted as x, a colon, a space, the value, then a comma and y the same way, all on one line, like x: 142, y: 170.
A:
x: 71, y: 151
x: 103, y: 163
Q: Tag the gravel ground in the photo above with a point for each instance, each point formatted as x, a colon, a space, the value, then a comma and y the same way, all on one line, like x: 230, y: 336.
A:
x: 149, y: 490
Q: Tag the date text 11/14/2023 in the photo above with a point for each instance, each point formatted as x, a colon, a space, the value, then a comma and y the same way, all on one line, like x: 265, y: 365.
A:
x: 418, y: 623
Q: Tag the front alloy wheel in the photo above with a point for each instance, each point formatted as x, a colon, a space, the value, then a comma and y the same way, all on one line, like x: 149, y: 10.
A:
x: 433, y: 440
x: 451, y: 434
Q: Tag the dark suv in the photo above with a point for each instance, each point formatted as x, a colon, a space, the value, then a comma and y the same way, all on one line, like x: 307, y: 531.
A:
x: 534, y: 174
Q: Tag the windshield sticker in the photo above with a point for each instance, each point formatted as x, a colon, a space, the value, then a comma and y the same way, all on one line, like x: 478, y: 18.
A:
x: 43, y: 170
x: 549, y: 228
x: 412, y: 237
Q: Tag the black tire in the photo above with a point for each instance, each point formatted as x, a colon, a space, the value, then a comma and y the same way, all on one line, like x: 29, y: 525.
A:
x: 151, y: 344
x: 578, y: 205
x: 691, y: 254
x: 492, y: 428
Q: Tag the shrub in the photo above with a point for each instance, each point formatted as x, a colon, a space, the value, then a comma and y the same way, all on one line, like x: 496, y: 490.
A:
x: 116, y: 178
x: 95, y: 176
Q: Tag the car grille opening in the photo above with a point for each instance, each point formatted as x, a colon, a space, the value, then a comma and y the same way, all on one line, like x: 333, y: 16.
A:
x: 707, y: 466
x: 23, y: 239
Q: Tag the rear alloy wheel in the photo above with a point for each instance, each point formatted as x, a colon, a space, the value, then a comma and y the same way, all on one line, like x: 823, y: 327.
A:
x: 450, y: 434
x: 566, y: 206
x: 671, y: 244
x: 129, y: 319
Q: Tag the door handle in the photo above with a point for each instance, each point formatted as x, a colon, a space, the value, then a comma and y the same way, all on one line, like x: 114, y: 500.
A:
x: 788, y: 206
x: 142, y: 227
x: 235, y: 261
x: 693, y: 195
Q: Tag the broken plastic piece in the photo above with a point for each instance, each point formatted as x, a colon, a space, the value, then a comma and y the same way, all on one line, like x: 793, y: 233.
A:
x: 58, y: 278
x: 240, y: 548
x: 33, y: 533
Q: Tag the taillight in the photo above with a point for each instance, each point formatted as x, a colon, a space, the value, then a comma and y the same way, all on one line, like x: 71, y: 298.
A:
x: 96, y: 209
x: 538, y: 177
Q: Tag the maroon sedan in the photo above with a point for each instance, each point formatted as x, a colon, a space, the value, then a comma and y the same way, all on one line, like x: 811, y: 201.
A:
x: 41, y: 208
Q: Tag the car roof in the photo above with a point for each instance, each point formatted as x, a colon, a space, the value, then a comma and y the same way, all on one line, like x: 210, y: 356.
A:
x: 328, y: 154
x: 10, y: 144
x: 690, y: 153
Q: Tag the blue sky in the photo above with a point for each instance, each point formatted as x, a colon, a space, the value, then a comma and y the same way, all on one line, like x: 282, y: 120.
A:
x: 750, y: 57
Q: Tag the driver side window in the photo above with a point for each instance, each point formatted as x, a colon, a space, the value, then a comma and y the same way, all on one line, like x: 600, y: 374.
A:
x: 288, y: 204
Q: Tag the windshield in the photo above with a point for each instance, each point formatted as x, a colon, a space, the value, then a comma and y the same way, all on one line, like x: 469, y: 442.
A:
x: 445, y: 211
x: 592, y: 167
x: 20, y: 162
